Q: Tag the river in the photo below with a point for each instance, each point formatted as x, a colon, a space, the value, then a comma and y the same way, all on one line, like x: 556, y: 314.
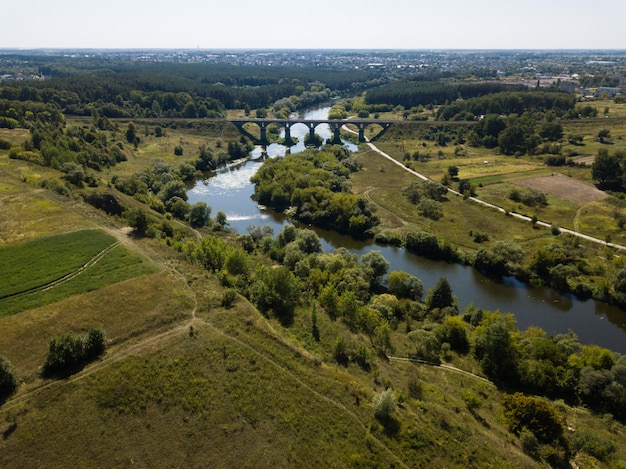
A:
x: 594, y: 322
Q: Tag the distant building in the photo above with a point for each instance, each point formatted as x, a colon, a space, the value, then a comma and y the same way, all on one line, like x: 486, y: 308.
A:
x: 610, y: 91
x: 567, y: 86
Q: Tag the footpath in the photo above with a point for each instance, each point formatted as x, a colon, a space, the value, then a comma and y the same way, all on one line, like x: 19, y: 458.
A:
x: 495, y: 207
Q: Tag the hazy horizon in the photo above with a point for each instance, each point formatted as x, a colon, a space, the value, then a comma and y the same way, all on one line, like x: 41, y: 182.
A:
x: 323, y: 25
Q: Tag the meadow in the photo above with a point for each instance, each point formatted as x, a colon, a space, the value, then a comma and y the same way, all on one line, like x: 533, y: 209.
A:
x: 187, y: 382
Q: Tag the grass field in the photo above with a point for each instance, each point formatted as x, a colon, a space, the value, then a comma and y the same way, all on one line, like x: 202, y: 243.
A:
x: 39, y: 262
x: 49, y: 269
x: 573, y: 201
x: 188, y: 383
x: 242, y: 398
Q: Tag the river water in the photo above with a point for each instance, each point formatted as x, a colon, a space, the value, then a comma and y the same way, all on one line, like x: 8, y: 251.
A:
x: 594, y: 322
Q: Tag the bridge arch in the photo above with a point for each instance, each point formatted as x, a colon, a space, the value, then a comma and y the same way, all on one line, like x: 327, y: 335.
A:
x: 334, y: 124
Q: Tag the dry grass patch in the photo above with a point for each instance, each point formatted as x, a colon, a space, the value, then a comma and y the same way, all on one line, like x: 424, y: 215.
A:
x: 27, y: 214
x: 15, y: 136
x: 564, y: 187
x: 123, y: 310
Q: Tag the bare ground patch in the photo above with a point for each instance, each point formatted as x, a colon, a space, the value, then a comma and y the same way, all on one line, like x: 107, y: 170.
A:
x: 586, y: 160
x: 564, y: 187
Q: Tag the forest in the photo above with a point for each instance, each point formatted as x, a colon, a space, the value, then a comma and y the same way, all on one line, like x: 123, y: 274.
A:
x: 122, y: 89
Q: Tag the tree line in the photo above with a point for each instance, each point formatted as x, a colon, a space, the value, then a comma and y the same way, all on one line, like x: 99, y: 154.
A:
x: 136, y: 89
x: 412, y: 92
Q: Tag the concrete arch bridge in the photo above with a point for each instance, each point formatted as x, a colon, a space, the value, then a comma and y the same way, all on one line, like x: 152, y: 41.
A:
x: 334, y: 124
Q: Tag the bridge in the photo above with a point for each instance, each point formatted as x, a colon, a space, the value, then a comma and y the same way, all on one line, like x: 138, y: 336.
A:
x: 334, y: 124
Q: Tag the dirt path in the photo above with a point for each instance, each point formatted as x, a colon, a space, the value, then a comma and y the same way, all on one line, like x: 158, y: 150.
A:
x: 442, y: 365
x: 66, y: 278
x: 366, y: 194
x: 151, y: 343
x: 159, y: 341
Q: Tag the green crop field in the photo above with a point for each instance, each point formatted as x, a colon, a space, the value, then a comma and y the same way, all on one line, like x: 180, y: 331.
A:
x: 48, y: 269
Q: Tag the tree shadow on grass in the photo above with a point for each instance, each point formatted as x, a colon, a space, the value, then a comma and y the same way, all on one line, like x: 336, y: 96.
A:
x: 391, y: 426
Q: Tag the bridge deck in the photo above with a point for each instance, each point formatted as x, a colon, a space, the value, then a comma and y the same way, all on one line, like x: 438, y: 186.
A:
x: 313, y: 121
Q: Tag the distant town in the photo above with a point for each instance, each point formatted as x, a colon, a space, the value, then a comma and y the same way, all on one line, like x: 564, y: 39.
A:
x: 530, y: 67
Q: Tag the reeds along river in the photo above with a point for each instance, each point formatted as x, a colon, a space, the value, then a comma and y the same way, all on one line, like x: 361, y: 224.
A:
x: 594, y: 322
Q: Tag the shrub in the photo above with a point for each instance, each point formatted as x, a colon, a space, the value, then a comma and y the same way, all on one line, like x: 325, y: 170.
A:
x: 472, y: 401
x: 529, y: 443
x: 229, y: 297
x: 341, y: 351
x: 430, y: 209
x: 534, y: 414
x: 384, y: 404
x: 70, y: 352
x: 8, y: 378
x: 479, y: 236
x: 592, y: 444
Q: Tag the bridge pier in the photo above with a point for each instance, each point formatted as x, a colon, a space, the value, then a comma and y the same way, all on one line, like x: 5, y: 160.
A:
x: 263, y: 127
x: 288, y: 141
x: 362, y: 132
x: 311, y: 131
x: 336, y: 128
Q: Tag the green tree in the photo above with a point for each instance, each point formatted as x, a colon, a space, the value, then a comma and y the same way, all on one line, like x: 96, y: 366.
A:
x: 199, y: 214
x: 619, y: 284
x: 74, y: 173
x: 534, y: 414
x: 277, y: 291
x: 8, y: 379
x: 413, y: 192
x: 171, y: 189
x: 382, y: 337
x: 220, y: 219
x: 329, y: 300
x: 65, y: 354
x: 70, y: 352
x: 496, y: 351
x: 308, y: 241
x: 440, y: 296
x: 95, y: 343
x: 177, y: 207
x: 503, y: 258
x: 606, y: 169
x: 454, y: 332
x: 430, y: 209
x: 238, y: 262
x: 603, y: 134
x: 375, y: 265
x: 466, y: 187
x: 551, y: 131
x: 404, y: 285
x: 453, y: 171
x: 341, y: 351
x: 131, y: 133
x: 138, y: 220
x: 434, y: 190
x: 427, y: 346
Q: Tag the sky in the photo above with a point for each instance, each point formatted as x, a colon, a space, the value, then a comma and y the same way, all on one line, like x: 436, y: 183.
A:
x: 317, y: 24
